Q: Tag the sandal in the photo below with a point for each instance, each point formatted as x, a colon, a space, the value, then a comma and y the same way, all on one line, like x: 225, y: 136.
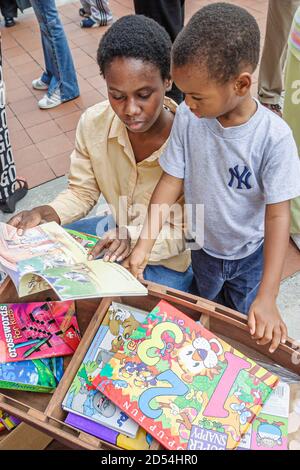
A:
x: 10, y: 204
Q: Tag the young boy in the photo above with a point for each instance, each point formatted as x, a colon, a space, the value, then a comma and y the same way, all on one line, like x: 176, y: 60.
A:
x: 235, y: 157
x: 95, y: 12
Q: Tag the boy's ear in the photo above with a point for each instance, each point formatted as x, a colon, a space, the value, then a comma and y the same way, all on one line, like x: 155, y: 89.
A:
x: 243, y: 83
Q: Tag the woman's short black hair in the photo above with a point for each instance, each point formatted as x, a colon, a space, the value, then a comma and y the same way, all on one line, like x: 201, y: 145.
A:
x: 137, y: 37
x: 221, y: 37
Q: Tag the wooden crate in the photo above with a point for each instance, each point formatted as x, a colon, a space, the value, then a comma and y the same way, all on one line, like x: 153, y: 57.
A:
x: 44, y: 412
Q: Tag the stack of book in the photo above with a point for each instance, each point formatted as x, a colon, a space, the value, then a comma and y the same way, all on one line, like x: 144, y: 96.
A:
x: 88, y: 409
x: 176, y: 381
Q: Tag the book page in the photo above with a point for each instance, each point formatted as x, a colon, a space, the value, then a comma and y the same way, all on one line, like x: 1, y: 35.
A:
x: 112, y: 279
x: 45, y: 247
x: 69, y: 282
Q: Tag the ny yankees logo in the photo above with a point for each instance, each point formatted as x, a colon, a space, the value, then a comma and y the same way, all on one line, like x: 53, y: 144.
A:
x: 241, y: 178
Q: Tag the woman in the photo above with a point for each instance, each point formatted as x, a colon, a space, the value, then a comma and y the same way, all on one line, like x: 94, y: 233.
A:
x: 11, y: 188
x: 9, y: 10
x: 59, y: 78
x: 291, y: 111
x: 118, y: 144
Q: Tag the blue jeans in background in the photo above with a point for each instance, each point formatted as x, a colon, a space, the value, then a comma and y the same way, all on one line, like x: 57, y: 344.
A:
x: 233, y: 283
x: 60, y: 72
x: 159, y: 274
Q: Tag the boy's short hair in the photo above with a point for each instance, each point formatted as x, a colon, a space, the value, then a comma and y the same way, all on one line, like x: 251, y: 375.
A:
x: 223, y: 38
x: 137, y: 37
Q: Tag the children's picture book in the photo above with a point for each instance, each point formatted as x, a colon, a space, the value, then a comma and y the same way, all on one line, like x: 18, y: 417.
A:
x: 182, y: 384
x: 38, y: 375
x: 84, y: 239
x: 141, y: 441
x: 8, y: 421
x: 269, y: 430
x: 47, y: 256
x: 38, y: 329
x: 82, y: 398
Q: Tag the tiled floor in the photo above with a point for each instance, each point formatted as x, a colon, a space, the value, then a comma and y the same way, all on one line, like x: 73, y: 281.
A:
x: 42, y: 140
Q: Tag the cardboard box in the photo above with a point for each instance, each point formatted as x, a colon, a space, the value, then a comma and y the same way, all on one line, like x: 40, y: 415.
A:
x: 44, y: 412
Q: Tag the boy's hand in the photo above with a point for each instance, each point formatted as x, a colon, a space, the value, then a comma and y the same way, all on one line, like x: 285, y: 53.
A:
x: 265, y: 323
x: 116, y: 243
x: 136, y: 263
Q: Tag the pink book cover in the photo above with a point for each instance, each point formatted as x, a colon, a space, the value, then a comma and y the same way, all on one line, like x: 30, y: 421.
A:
x: 37, y: 330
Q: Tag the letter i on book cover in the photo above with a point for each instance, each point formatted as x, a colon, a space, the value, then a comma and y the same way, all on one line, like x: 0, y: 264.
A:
x: 185, y: 386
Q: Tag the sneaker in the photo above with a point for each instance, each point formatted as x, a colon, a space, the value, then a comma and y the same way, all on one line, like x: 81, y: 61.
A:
x: 38, y: 84
x: 83, y: 13
x: 89, y: 23
x: 9, y: 22
x: 275, y: 108
x: 296, y: 239
x: 48, y: 102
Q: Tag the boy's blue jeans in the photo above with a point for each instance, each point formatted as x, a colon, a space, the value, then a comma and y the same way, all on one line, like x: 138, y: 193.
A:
x: 60, y: 72
x: 159, y: 274
x: 233, y: 283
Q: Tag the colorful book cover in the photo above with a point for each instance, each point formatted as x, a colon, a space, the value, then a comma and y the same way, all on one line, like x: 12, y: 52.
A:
x: 186, y: 387
x: 48, y: 256
x: 37, y: 330
x: 84, y: 239
x: 38, y: 375
x: 141, y: 441
x: 269, y: 430
x: 9, y: 421
x: 82, y: 398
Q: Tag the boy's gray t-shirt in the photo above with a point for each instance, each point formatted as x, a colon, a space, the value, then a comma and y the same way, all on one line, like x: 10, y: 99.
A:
x: 234, y: 172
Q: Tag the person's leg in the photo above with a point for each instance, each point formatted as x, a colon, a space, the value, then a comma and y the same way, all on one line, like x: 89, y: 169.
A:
x: 169, y: 277
x: 170, y: 15
x: 93, y: 225
x: 86, y: 7
x: 9, y: 8
x: 208, y: 273
x: 11, y: 188
x: 279, y: 21
x: 100, y: 12
x: 291, y: 114
x: 58, y: 59
x: 243, y: 280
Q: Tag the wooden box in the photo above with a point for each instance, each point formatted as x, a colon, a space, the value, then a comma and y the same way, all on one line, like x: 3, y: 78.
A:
x: 44, y: 412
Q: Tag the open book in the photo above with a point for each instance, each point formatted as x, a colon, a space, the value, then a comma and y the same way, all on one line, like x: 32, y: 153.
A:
x: 48, y: 257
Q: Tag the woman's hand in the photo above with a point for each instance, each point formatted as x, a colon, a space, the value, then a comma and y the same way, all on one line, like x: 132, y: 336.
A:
x: 29, y: 219
x: 116, y: 244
